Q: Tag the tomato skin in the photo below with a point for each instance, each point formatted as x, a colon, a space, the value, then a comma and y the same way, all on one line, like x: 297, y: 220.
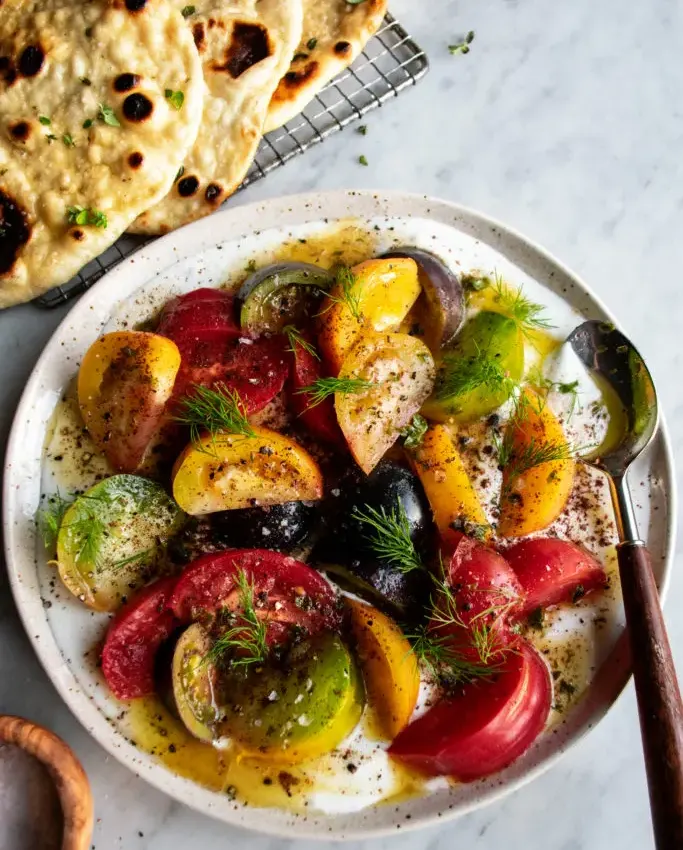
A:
x: 209, y: 583
x: 198, y: 311
x: 486, y: 592
x: 551, y: 571
x: 133, y: 638
x: 257, y: 370
x: 485, y: 726
x: 320, y: 420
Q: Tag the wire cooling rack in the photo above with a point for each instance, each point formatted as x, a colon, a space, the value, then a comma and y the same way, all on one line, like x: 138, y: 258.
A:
x: 390, y: 63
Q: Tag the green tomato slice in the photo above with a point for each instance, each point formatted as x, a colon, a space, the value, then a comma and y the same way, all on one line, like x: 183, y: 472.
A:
x: 476, y: 375
x: 112, y: 539
x: 298, y: 712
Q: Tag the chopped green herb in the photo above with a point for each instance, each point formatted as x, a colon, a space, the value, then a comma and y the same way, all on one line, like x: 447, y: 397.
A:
x: 216, y: 411
x: 324, y: 387
x: 132, y: 559
x: 350, y: 292
x: 175, y: 98
x: 51, y: 138
x: 86, y: 81
x: 86, y: 217
x: 363, y: 129
x: 460, y: 376
x: 299, y: 56
x: 67, y: 138
x: 514, y: 304
x: 363, y: 160
x: 87, y: 124
x: 477, y: 530
x: 44, y: 120
x: 187, y: 11
x: 475, y: 283
x: 413, y: 434
x: 246, y: 640
x: 462, y: 46
x: 107, y: 115
x: 389, y: 536
x: 49, y: 519
x: 312, y: 43
x: 295, y: 338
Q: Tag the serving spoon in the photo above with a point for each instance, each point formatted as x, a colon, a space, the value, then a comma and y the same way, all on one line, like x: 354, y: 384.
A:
x: 609, y: 354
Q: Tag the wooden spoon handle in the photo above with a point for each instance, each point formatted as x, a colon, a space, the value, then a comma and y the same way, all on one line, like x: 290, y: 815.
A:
x: 66, y: 772
x: 659, y: 697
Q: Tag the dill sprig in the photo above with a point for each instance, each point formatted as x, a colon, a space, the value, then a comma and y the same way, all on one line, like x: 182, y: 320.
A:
x: 216, y: 411
x: 442, y: 660
x: 295, y: 338
x: 516, y: 462
x: 389, y: 536
x: 87, y: 530
x: 132, y: 559
x: 517, y: 306
x: 462, y: 375
x: 49, y: 518
x: 246, y: 640
x: 350, y: 292
x: 322, y: 388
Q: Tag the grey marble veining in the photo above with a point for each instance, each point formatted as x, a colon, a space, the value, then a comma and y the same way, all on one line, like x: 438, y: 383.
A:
x: 565, y: 121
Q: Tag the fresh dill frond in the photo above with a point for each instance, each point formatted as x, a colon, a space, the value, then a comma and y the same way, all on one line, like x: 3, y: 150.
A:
x: 132, y: 559
x: 517, y: 306
x: 322, y: 388
x: 389, y: 536
x: 87, y: 529
x: 460, y: 376
x: 246, y: 640
x: 413, y: 434
x: 443, y: 661
x: 534, y: 454
x: 350, y: 292
x: 217, y: 411
x: 295, y: 338
x: 49, y: 518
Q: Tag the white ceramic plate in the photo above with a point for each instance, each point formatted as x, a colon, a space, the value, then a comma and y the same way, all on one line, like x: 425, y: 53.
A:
x: 204, y: 254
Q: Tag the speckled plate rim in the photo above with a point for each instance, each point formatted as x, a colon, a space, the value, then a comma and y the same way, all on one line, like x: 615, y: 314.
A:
x: 92, y: 311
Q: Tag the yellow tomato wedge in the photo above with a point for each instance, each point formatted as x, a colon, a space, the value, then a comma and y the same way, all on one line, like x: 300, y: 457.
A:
x: 398, y: 371
x: 377, y: 296
x: 390, y: 671
x: 452, y: 498
x: 532, y: 498
x: 233, y: 471
x: 124, y: 382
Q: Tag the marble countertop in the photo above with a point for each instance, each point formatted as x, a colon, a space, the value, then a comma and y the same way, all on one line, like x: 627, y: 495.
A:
x: 562, y: 121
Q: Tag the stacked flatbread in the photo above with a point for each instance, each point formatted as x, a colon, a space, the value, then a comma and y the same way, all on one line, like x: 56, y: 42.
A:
x: 144, y: 114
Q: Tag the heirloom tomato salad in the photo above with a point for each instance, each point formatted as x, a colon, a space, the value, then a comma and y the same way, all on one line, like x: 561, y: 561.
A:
x: 335, y: 513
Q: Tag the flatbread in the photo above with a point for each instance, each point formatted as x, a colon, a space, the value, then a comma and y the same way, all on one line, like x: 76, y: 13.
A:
x: 245, y: 46
x: 60, y: 59
x: 334, y: 34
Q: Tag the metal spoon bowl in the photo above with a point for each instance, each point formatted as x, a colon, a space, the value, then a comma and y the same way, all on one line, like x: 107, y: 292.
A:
x: 607, y: 353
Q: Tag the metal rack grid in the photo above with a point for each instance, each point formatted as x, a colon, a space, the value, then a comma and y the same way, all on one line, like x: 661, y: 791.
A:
x: 390, y: 63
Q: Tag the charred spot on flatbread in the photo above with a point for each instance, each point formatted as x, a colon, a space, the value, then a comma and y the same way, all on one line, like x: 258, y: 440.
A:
x: 126, y: 82
x: 7, y: 70
x: 31, y: 60
x: 188, y: 186
x: 248, y: 46
x: 342, y: 48
x: 77, y: 234
x: 137, y: 107
x: 15, y: 231
x: 199, y: 35
x: 296, y: 79
x: 135, y: 159
x: 213, y: 193
x: 20, y: 130
x: 135, y: 5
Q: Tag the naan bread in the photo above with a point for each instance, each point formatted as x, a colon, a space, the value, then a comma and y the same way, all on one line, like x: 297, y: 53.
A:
x: 68, y: 191
x: 334, y: 33
x: 245, y: 46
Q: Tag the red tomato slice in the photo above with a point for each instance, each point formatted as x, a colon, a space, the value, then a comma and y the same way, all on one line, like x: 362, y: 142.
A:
x: 134, y: 636
x: 486, y: 726
x: 485, y: 592
x: 553, y: 571
x: 320, y: 420
x: 198, y: 311
x: 286, y: 592
x: 257, y: 370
